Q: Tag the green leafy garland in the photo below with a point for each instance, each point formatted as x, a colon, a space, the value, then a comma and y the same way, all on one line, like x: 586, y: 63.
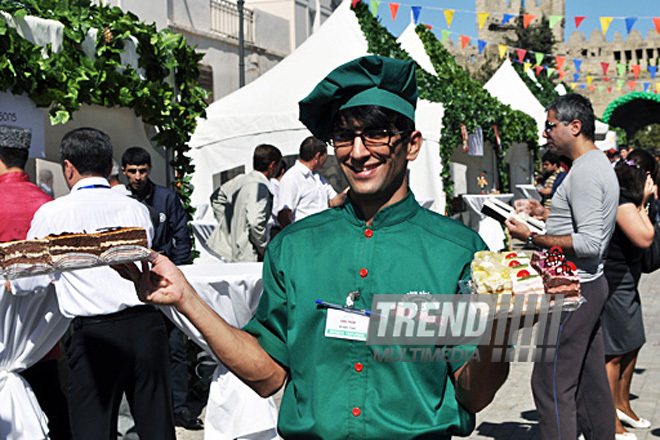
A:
x: 464, y: 99
x: 64, y: 81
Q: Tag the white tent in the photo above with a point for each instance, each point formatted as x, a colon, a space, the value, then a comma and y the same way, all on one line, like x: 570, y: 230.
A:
x: 266, y: 111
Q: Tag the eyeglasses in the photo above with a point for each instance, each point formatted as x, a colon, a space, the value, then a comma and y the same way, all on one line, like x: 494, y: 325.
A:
x: 550, y: 125
x: 370, y: 138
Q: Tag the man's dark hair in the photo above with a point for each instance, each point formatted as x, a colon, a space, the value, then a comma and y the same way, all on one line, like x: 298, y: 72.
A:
x: 571, y: 107
x: 89, y: 150
x: 551, y: 157
x: 264, y: 155
x: 632, y: 173
x: 374, y: 117
x: 14, y: 157
x: 310, y: 147
x: 135, y: 156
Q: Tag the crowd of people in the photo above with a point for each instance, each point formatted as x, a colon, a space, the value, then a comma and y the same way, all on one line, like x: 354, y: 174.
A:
x: 340, y: 249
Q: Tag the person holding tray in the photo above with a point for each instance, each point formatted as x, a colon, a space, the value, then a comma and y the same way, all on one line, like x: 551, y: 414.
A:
x: 380, y: 241
x: 572, y: 392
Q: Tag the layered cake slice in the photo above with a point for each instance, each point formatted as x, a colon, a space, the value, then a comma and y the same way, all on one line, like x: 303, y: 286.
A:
x: 122, y: 244
x: 73, y: 250
x: 25, y: 253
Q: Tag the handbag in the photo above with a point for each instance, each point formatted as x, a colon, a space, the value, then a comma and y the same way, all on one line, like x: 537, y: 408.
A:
x: 651, y: 258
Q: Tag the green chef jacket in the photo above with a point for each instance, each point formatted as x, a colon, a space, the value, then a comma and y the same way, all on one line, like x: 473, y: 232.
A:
x: 335, y: 388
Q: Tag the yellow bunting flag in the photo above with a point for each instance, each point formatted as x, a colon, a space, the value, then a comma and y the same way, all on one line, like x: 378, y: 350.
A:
x: 527, y: 19
x: 481, y: 18
x: 589, y: 79
x: 573, y: 86
x: 502, y: 48
x: 449, y: 16
x: 657, y: 86
x: 605, y: 23
x: 554, y: 19
x: 394, y: 9
x: 526, y: 66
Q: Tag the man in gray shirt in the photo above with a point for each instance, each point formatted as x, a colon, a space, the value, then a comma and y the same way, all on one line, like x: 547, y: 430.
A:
x: 572, y: 392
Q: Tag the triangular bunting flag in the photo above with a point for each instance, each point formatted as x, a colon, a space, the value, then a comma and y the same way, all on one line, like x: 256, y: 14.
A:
x: 481, y: 44
x: 464, y: 41
x: 589, y: 79
x: 646, y: 86
x: 538, y: 70
x: 631, y: 84
x: 578, y: 64
x: 657, y: 87
x: 576, y: 76
x: 578, y: 21
x: 507, y: 17
x: 562, y: 73
x: 527, y: 19
x: 600, y: 89
x: 374, y: 7
x: 354, y: 2
x: 539, y: 57
x: 554, y: 19
x: 502, y: 48
x: 605, y: 66
x: 653, y: 70
x: 591, y: 88
x: 550, y: 70
x: 445, y: 35
x: 605, y: 23
x: 573, y: 86
x: 606, y: 79
x: 635, y: 70
x: 609, y: 89
x: 582, y: 86
x: 521, y: 54
x: 656, y: 22
x: 428, y: 26
x: 394, y: 9
x: 526, y: 66
x: 416, y: 11
x: 560, y: 61
x: 630, y: 22
x: 449, y: 16
x: 481, y: 18
x: 621, y: 69
x: 619, y: 83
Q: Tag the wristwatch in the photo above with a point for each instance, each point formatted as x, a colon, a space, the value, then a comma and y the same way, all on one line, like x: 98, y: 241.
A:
x: 530, y: 239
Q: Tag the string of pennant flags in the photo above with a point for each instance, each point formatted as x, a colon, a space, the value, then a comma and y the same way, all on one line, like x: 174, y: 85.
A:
x: 563, y: 63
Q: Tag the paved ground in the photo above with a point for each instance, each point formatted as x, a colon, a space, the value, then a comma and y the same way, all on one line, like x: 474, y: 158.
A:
x: 512, y: 415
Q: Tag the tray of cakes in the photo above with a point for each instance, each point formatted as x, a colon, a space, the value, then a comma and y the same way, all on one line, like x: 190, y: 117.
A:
x: 72, y: 251
x: 542, y: 279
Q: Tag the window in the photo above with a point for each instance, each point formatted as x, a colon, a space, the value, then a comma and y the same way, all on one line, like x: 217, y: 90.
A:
x: 639, y: 53
x: 649, y: 54
x: 206, y: 80
x: 628, y: 55
x: 617, y: 55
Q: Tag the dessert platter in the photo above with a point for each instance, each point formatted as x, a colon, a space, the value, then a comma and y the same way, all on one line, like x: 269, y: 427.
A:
x: 71, y: 251
x: 538, y: 277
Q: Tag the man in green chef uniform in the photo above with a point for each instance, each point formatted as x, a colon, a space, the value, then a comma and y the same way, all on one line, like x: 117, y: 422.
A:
x: 379, y: 242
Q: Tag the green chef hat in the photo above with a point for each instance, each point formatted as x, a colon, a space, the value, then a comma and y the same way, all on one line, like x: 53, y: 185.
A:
x: 370, y: 80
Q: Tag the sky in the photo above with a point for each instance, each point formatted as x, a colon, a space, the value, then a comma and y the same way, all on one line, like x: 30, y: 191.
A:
x: 465, y: 18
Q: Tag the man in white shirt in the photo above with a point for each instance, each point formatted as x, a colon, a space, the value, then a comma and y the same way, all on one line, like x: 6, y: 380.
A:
x: 117, y: 344
x: 303, y: 191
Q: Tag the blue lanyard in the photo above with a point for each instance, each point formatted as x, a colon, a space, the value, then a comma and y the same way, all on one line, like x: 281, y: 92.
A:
x: 93, y: 186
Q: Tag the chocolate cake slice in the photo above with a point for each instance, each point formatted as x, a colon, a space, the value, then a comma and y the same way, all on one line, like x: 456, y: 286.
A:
x: 73, y: 249
x: 122, y: 237
x: 25, y: 252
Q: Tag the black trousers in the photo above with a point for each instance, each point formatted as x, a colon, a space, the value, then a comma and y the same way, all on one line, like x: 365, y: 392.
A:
x: 178, y: 365
x: 111, y: 354
x: 44, y: 380
x: 573, y: 393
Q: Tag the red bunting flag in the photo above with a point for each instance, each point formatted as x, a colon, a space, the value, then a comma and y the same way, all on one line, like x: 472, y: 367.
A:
x: 464, y: 41
x: 394, y: 8
x: 606, y: 79
x: 605, y: 66
x: 560, y: 61
x: 521, y: 54
x: 428, y: 26
x: 591, y: 88
x: 631, y: 84
x: 527, y: 19
x: 635, y: 69
x: 609, y: 89
x: 562, y: 73
x: 656, y: 22
x: 578, y: 21
x: 538, y: 70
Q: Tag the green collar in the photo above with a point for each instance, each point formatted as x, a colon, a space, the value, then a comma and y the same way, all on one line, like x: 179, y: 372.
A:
x: 391, y: 215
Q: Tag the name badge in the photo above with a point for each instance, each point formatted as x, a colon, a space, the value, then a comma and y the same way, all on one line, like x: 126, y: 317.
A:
x: 345, y: 325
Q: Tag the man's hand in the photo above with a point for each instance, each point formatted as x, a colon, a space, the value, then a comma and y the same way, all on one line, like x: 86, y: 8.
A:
x: 340, y: 198
x: 517, y: 229
x: 164, y: 284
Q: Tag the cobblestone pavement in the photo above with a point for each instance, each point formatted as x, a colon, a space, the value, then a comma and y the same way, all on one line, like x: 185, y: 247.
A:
x: 512, y: 415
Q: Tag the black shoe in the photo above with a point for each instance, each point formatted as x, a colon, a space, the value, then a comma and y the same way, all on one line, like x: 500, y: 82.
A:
x: 186, y: 420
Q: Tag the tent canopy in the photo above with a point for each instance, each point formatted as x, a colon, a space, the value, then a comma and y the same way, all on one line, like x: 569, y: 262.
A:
x: 266, y: 111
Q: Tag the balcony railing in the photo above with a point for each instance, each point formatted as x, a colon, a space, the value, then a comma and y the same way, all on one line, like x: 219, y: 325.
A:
x: 224, y: 20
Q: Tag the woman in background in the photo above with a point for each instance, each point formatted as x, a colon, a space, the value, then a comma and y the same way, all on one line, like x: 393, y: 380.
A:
x: 623, y: 326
